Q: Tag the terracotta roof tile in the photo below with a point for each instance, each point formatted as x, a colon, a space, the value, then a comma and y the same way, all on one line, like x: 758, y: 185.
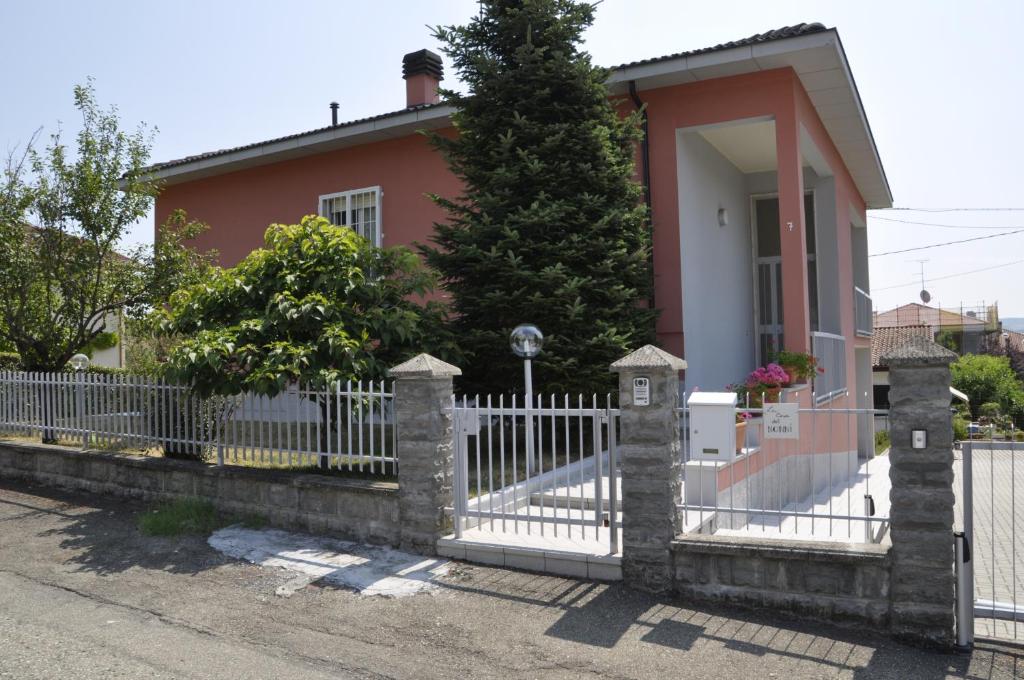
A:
x: 756, y: 39
x: 887, y: 340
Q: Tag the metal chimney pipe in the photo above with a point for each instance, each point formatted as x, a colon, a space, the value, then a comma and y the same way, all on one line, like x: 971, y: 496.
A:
x: 334, y: 114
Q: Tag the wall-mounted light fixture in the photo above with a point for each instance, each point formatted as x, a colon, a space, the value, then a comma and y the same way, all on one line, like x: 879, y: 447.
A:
x: 723, y: 217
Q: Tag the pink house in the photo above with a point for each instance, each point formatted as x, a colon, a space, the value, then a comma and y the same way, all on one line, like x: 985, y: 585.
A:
x: 759, y: 163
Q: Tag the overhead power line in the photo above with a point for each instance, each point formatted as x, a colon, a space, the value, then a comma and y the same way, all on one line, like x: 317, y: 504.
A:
x: 948, y: 243
x: 941, y: 210
x: 951, y: 276
x: 944, y: 226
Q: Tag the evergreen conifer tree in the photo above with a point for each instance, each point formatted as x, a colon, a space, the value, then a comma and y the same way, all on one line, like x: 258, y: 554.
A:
x: 550, y: 228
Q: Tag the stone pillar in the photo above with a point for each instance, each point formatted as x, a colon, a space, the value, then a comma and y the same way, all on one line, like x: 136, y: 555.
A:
x: 921, y: 516
x: 650, y: 454
x: 423, y: 411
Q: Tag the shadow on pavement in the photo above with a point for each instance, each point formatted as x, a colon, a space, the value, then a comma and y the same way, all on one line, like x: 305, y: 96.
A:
x: 93, y: 530
x: 97, y: 534
x: 603, y: 615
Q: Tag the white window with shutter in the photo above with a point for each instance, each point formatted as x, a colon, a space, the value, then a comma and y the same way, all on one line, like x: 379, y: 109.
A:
x: 358, y: 209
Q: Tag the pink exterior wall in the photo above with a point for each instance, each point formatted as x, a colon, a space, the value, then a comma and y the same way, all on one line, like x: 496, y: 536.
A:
x: 847, y: 198
x: 768, y: 93
x: 240, y: 205
x: 824, y: 431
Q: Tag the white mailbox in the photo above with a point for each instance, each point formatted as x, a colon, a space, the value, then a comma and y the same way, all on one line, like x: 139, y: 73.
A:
x: 712, y: 426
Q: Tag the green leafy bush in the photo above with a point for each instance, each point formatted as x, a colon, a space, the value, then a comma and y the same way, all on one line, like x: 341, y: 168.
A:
x: 960, y: 431
x: 989, y: 409
x: 317, y: 304
x: 10, y: 361
x: 881, y: 441
x: 985, y: 379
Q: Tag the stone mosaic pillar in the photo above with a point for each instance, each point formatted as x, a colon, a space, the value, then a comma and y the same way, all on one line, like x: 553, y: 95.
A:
x: 650, y: 451
x: 423, y: 412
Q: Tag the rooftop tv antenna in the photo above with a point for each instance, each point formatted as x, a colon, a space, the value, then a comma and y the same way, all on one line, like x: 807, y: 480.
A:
x: 926, y: 297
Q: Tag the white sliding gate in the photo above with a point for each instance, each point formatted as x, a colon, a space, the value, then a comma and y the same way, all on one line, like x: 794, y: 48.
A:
x: 546, y: 469
x: 989, y: 511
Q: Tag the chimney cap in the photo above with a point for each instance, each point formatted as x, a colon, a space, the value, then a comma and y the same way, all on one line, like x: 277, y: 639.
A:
x: 422, y: 62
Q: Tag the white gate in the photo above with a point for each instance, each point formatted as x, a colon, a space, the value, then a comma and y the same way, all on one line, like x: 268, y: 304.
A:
x: 989, y: 512
x: 547, y: 468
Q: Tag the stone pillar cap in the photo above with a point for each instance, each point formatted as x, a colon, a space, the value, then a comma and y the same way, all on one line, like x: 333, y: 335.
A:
x: 919, y: 351
x: 424, y: 366
x: 648, y: 357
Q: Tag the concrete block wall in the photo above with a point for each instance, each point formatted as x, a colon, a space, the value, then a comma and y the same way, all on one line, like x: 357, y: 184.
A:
x: 355, y: 509
x: 840, y: 583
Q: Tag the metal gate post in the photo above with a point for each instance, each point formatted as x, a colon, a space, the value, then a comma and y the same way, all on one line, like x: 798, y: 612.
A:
x: 964, y: 593
x: 461, y: 475
x: 613, y: 474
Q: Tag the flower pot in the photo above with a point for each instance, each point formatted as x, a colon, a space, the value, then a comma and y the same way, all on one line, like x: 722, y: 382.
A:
x: 741, y: 436
x: 771, y: 395
x: 794, y: 375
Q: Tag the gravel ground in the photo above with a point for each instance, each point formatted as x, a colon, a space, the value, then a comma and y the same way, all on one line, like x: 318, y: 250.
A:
x: 83, y: 594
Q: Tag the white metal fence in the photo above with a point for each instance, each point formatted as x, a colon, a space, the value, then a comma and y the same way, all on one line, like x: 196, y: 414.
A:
x: 546, y: 469
x: 350, y: 425
x: 826, y: 485
x: 830, y: 380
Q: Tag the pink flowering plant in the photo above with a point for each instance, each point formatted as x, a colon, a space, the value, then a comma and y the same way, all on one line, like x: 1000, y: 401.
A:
x: 767, y: 377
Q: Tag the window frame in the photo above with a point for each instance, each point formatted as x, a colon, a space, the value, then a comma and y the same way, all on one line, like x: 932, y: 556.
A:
x: 378, y: 193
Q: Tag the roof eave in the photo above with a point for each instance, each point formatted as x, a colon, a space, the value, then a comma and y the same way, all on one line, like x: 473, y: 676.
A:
x: 761, y: 57
x: 330, y: 139
x: 872, y: 181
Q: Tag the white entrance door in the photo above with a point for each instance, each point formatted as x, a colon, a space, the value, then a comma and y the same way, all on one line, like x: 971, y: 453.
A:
x: 768, y: 273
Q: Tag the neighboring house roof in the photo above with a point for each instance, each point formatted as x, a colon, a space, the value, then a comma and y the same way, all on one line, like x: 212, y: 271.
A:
x: 915, y: 314
x: 813, y: 51
x: 1014, y: 340
x: 885, y: 340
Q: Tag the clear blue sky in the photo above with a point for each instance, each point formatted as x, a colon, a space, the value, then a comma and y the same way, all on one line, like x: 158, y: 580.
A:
x: 940, y: 82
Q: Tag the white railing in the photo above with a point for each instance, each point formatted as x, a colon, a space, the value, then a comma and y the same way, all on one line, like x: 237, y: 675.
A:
x: 863, y: 323
x: 547, y: 468
x: 348, y: 425
x: 826, y: 484
x: 830, y: 378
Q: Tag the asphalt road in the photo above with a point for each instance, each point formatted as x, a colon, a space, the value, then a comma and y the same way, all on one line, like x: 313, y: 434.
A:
x: 84, y: 595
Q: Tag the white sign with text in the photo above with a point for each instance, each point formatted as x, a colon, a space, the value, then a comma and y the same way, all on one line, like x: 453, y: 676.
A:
x: 782, y: 421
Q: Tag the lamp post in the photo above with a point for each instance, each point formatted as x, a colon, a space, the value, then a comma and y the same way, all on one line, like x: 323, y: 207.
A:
x: 80, y: 362
x: 526, y: 341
